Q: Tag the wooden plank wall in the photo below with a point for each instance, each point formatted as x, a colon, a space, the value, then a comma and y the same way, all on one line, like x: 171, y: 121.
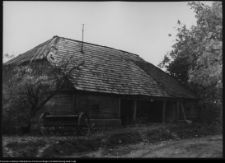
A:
x: 170, y: 113
x: 108, y: 106
x: 61, y: 104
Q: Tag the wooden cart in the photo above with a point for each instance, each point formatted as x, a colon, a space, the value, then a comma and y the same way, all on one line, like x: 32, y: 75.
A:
x: 64, y: 124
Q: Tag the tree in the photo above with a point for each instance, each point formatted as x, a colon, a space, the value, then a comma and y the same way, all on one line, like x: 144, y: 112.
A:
x: 7, y: 56
x: 196, y: 58
x: 29, y: 89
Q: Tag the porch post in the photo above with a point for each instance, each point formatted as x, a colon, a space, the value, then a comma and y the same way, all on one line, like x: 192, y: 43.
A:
x: 135, y: 110
x: 119, y: 108
x: 183, y: 112
x: 74, y: 103
x: 178, y: 111
x: 76, y: 106
x: 164, y: 112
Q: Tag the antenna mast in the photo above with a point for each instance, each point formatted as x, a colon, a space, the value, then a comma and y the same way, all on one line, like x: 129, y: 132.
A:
x: 82, y: 39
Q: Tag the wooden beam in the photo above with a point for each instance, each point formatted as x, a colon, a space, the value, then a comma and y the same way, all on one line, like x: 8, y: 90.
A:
x: 177, y: 111
x: 119, y: 108
x: 74, y: 103
x: 164, y: 112
x: 76, y: 106
x: 135, y: 110
x: 199, y: 112
x: 182, y: 107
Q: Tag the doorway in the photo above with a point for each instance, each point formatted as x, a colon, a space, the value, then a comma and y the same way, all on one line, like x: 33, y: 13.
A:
x: 126, y: 111
x: 150, y: 112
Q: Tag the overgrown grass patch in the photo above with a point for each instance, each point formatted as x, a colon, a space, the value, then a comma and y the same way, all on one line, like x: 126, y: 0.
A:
x: 108, y: 141
x: 120, y: 139
x: 195, y: 130
x: 158, y: 135
x: 26, y: 148
x: 66, y: 148
x: 124, y: 138
x: 62, y: 146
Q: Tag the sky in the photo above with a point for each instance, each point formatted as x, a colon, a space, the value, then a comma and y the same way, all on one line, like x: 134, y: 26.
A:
x: 137, y: 27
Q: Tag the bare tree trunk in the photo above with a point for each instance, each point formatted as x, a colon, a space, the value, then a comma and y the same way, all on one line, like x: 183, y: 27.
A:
x: 34, y: 111
x: 26, y: 129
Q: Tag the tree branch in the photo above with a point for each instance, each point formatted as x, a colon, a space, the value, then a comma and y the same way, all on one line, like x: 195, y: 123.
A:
x: 44, y: 102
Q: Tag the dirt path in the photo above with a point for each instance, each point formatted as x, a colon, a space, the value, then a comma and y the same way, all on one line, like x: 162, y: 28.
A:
x: 210, y: 146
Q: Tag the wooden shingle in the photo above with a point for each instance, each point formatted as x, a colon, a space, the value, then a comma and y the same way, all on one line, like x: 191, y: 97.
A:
x: 109, y: 70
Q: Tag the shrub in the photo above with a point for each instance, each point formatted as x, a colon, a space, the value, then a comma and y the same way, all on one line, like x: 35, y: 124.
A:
x: 211, y: 113
x: 14, y: 112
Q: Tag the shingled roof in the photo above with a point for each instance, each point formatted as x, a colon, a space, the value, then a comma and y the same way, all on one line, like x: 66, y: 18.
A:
x: 110, y: 70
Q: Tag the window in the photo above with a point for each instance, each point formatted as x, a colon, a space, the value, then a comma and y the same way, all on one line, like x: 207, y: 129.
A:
x: 96, y: 108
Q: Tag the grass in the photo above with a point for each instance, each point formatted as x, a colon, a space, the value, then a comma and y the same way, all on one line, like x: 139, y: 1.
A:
x: 61, y: 146
x: 196, y: 130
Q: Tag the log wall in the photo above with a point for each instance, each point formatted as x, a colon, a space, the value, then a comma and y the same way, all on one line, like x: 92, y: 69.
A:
x: 108, y: 106
x: 61, y: 104
x: 170, y: 113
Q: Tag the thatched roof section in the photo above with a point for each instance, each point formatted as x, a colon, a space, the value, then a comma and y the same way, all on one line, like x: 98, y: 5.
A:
x: 110, y: 70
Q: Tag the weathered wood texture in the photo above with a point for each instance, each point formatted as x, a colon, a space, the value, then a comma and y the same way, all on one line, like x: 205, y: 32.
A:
x: 178, y: 111
x: 164, y: 112
x: 135, y: 110
x: 108, y: 106
x: 169, y: 84
x: 170, y: 112
x: 66, y: 103
x: 108, y: 70
x: 61, y: 104
x: 182, y: 108
x: 106, y: 122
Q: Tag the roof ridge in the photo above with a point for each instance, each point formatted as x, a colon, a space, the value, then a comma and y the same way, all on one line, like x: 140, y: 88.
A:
x: 6, y: 63
x: 97, y: 45
x: 128, y: 75
x: 36, y: 46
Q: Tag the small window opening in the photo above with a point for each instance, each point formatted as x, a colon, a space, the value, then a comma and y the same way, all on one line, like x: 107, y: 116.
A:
x: 96, y: 108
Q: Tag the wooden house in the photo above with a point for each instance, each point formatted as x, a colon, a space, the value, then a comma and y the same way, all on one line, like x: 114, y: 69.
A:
x: 115, y: 87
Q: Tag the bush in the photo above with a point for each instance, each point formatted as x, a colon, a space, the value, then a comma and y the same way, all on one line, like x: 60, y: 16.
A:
x: 184, y: 131
x: 14, y: 120
x: 14, y: 113
x: 123, y: 138
x: 158, y: 135
x: 211, y: 113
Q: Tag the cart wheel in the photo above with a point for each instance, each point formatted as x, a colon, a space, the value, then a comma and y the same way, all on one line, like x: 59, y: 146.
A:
x: 41, y: 127
x: 94, y: 128
x: 83, y: 124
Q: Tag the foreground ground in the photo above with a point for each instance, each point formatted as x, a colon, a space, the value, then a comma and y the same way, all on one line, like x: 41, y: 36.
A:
x: 151, y: 141
x: 206, y: 147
